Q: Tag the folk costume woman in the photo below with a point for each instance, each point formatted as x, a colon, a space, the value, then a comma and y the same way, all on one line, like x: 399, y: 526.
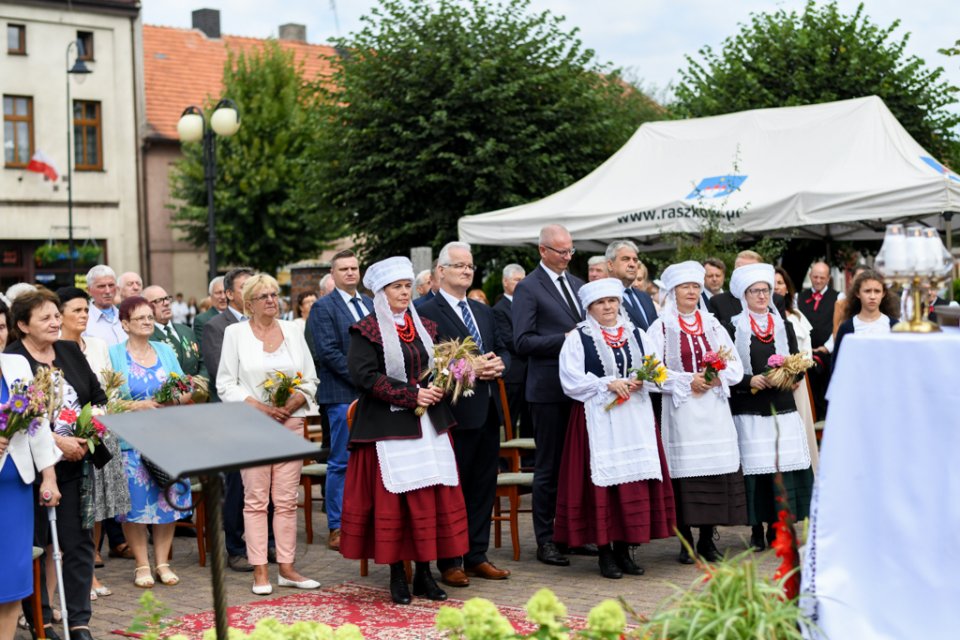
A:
x: 771, y: 433
x: 614, y: 489
x: 699, y: 437
x: 402, y: 498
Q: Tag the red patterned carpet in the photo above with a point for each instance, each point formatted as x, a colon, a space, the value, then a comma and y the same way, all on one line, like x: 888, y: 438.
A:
x: 369, y: 608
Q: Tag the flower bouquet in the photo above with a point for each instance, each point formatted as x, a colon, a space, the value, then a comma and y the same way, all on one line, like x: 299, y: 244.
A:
x: 714, y: 362
x: 782, y: 371
x: 113, y: 382
x: 190, y: 388
x: 651, y: 370
x: 455, y: 365
x: 85, y: 425
x: 27, y: 407
x: 278, y: 387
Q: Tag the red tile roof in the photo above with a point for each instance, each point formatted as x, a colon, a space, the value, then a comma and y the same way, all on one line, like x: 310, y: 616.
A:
x: 184, y: 67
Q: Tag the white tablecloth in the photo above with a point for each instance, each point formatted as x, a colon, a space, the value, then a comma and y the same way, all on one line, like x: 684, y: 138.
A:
x: 883, y: 560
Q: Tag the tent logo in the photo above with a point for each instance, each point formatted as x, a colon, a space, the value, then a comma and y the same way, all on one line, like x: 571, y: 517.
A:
x: 716, y: 187
x: 939, y: 168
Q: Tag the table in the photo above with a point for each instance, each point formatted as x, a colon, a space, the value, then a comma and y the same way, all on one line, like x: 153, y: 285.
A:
x: 883, y: 556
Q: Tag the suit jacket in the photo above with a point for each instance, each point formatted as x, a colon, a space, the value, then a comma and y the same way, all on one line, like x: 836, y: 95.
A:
x: 648, y: 308
x: 212, y: 345
x: 821, y: 318
x: 27, y: 452
x: 329, y: 325
x: 516, y: 373
x: 541, y: 320
x: 472, y: 412
x: 203, y: 319
x: 186, y: 347
x: 429, y: 295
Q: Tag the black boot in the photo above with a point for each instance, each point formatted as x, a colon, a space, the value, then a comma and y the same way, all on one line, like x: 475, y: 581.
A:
x: 608, y: 566
x: 756, y: 538
x: 706, y: 549
x: 621, y: 555
x: 425, y: 585
x: 685, y: 534
x: 399, y: 591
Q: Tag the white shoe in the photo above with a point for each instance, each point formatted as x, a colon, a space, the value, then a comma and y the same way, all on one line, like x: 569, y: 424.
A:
x: 303, y: 584
x: 263, y: 589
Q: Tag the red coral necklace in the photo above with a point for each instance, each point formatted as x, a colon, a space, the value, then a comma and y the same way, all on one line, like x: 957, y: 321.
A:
x: 765, y: 336
x: 407, y: 332
x: 613, y: 340
x: 694, y: 328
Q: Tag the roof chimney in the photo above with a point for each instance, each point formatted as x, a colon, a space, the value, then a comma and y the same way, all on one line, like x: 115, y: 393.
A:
x: 293, y: 32
x: 207, y: 21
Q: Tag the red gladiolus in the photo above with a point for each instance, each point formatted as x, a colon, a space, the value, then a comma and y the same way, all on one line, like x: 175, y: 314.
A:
x: 785, y: 547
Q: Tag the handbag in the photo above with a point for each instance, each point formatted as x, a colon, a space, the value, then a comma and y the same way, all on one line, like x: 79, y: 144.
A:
x: 161, y: 477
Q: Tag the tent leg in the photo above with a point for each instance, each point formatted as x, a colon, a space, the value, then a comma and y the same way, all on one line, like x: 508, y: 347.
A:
x: 948, y: 218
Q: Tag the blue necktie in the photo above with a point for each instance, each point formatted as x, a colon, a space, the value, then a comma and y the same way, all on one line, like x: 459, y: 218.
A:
x: 471, y: 327
x: 356, y: 305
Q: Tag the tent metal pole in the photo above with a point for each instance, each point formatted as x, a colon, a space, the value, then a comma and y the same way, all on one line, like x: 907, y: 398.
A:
x: 948, y: 219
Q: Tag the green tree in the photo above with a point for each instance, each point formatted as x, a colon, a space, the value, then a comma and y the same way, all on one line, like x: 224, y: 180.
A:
x: 265, y: 214
x: 783, y: 59
x: 444, y: 108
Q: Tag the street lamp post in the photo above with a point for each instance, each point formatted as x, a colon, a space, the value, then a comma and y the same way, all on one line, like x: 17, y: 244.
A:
x: 80, y: 70
x: 193, y: 127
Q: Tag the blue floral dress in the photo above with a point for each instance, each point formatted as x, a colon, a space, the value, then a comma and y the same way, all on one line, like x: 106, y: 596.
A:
x: 149, y: 505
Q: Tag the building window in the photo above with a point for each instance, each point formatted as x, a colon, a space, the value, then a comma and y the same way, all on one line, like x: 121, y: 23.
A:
x: 85, y: 45
x: 17, y: 130
x: 17, y: 39
x: 87, y: 154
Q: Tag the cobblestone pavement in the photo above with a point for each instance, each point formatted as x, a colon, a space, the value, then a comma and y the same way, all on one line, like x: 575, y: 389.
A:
x: 580, y: 586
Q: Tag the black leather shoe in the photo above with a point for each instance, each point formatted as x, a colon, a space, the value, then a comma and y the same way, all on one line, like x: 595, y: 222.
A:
x: 708, y: 551
x: 621, y: 555
x: 425, y: 586
x: 399, y: 592
x: 756, y: 538
x: 584, y: 550
x: 684, y: 557
x: 239, y: 563
x: 608, y: 567
x: 49, y: 631
x: 547, y: 553
x: 80, y: 634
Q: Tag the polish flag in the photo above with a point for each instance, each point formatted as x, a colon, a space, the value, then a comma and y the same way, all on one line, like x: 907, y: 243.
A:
x: 40, y: 163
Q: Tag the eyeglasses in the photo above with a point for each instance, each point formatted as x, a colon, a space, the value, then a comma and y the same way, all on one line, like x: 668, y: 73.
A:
x: 267, y: 296
x: 149, y: 319
x: 566, y: 253
x: 166, y: 300
x: 461, y: 266
x: 759, y: 291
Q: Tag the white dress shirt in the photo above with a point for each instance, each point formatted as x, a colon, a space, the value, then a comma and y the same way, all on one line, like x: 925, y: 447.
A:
x: 347, y: 300
x: 101, y: 326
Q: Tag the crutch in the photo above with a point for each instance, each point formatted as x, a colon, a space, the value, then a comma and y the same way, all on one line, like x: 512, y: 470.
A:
x: 58, y: 562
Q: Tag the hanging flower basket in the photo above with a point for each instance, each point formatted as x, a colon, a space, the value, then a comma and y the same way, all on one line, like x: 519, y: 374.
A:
x: 54, y: 253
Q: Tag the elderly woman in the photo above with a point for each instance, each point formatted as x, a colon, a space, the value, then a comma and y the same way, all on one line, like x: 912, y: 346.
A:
x: 111, y: 498
x: 699, y: 436
x: 252, y: 352
x: 20, y: 456
x: 402, y: 498
x: 145, y: 366
x: 36, y: 317
x: 771, y: 433
x: 614, y: 489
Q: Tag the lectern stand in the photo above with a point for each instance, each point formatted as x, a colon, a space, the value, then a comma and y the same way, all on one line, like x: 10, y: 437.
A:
x: 206, y: 441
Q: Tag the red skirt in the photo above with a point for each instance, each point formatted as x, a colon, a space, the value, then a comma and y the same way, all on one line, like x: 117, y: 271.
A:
x: 634, y: 512
x: 420, y: 525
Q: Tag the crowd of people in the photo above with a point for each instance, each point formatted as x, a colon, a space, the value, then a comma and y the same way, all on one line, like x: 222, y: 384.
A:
x: 411, y: 475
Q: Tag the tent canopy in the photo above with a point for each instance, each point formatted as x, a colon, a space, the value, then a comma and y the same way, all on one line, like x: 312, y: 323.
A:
x: 840, y: 169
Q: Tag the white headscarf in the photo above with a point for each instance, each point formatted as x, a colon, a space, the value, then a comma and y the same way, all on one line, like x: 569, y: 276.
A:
x: 598, y: 290
x: 672, y: 277
x: 377, y: 277
x: 742, y: 279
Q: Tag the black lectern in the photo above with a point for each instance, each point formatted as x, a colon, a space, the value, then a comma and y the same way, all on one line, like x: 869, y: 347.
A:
x: 207, y: 440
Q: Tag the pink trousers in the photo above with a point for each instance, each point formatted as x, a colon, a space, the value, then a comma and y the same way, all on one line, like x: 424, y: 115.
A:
x: 281, y: 483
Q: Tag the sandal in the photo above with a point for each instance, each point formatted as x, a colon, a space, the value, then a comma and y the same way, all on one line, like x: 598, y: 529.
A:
x: 122, y: 550
x: 101, y: 591
x: 143, y: 581
x: 167, y: 577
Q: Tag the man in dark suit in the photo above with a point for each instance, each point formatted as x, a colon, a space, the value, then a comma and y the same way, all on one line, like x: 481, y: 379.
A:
x: 545, y: 308
x: 515, y: 377
x: 476, y: 438
x: 180, y: 337
x: 623, y: 261
x: 211, y: 345
x: 715, y: 272
x: 817, y: 304
x: 218, y: 304
x: 432, y: 291
x: 330, y: 320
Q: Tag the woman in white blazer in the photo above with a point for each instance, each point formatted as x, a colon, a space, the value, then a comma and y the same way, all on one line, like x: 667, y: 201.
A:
x: 20, y: 455
x: 251, y: 352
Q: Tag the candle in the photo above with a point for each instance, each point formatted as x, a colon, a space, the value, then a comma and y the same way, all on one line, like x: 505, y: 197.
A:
x: 933, y: 252
x: 894, y: 250
x: 916, y: 252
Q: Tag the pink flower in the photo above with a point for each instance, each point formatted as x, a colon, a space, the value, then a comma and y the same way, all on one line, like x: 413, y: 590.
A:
x: 775, y: 361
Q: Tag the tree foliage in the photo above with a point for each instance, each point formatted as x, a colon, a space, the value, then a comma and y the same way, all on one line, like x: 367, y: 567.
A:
x: 784, y: 59
x: 444, y: 108
x: 265, y: 214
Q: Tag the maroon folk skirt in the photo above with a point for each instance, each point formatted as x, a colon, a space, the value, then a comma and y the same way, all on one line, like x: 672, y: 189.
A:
x: 420, y: 525
x: 634, y: 512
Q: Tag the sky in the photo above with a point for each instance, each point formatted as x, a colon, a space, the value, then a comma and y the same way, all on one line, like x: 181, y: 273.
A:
x: 646, y: 38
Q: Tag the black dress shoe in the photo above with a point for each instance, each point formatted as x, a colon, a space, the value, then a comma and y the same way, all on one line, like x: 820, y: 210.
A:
x: 756, y: 538
x: 399, y: 592
x: 547, y: 553
x: 608, y: 566
x: 584, y: 550
x: 684, y: 557
x: 708, y: 551
x: 49, y: 631
x: 621, y: 555
x: 80, y: 634
x: 239, y: 563
x: 425, y: 586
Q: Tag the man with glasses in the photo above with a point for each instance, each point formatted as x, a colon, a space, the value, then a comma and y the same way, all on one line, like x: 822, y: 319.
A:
x: 180, y: 337
x: 545, y: 309
x: 476, y: 438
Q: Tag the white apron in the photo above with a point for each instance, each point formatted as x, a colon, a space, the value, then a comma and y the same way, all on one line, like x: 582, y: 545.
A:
x: 706, y: 443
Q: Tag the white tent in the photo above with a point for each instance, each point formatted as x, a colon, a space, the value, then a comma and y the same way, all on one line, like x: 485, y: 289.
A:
x: 841, y: 170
